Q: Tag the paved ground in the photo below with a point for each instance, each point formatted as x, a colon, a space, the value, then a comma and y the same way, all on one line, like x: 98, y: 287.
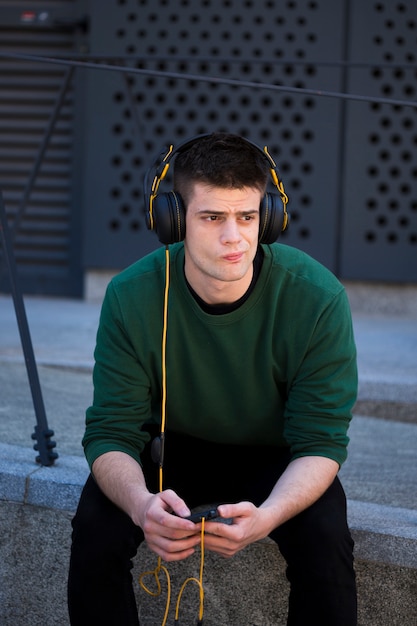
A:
x: 382, y: 464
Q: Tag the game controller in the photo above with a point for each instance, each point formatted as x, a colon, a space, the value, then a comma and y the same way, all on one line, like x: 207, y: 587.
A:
x: 209, y: 515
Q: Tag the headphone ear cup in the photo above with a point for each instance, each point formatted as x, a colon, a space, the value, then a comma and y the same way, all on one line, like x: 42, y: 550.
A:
x: 169, y: 217
x: 271, y: 218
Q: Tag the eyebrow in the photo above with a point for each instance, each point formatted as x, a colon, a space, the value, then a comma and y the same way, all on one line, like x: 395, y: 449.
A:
x: 218, y: 212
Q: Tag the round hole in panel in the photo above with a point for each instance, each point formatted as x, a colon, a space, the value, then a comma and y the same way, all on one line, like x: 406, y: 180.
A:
x: 304, y: 233
x: 370, y: 236
x: 135, y: 225
x: 114, y: 225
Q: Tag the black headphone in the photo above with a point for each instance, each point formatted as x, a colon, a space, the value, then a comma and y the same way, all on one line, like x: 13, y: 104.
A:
x: 165, y: 212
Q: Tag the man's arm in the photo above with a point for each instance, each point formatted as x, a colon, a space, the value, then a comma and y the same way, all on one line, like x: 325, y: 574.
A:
x: 121, y: 478
x: 303, y: 483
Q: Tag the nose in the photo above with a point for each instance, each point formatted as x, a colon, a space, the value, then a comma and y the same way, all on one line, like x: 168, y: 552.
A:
x: 231, y: 231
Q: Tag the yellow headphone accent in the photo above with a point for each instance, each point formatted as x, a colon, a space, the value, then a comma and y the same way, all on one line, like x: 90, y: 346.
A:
x: 158, y: 178
x: 280, y: 186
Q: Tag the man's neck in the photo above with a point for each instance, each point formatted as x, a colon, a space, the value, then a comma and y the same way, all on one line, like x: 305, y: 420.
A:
x: 220, y: 308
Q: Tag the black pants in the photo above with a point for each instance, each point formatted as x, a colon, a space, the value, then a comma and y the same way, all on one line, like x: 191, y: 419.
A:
x: 316, y: 544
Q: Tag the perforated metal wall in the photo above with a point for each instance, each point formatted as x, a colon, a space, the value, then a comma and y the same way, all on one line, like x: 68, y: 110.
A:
x: 249, y: 41
x: 380, y: 225
x: 348, y: 167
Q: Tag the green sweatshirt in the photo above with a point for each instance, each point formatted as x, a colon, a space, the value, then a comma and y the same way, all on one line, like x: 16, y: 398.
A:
x: 280, y: 370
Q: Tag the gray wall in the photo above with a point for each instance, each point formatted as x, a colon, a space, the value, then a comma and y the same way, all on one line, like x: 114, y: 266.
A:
x: 348, y: 167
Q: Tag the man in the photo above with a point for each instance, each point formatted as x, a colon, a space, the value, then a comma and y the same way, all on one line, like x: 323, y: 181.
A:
x: 260, y: 383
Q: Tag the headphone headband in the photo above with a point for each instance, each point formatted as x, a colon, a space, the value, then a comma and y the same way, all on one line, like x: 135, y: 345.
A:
x: 173, y: 203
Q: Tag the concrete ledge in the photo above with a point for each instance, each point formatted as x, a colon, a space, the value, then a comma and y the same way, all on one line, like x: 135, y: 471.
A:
x: 392, y: 411
x: 249, y: 590
x: 382, y: 298
x: 384, y: 534
x: 36, y: 506
x: 59, y: 487
x: 25, y: 482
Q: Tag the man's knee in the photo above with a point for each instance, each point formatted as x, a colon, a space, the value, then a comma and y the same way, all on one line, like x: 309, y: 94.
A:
x: 100, y: 527
x: 320, y: 533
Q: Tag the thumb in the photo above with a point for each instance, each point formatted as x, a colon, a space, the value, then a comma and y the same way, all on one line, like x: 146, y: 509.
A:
x: 239, y: 509
x: 174, y: 502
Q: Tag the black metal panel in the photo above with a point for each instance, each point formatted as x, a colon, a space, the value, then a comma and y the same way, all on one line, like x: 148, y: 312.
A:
x: 45, y: 247
x: 129, y: 121
x: 380, y: 191
x: 351, y: 178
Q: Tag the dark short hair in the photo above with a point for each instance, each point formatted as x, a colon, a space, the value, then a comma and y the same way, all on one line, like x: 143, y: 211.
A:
x: 220, y: 160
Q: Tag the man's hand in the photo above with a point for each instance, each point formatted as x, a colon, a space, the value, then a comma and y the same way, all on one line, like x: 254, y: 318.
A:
x: 250, y: 524
x: 121, y: 478
x: 169, y: 535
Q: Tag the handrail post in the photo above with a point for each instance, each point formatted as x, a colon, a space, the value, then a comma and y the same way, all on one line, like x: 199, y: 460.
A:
x: 42, y: 432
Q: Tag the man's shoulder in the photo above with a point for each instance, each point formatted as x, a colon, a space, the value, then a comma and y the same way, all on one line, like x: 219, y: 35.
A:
x: 298, y: 266
x: 147, y: 267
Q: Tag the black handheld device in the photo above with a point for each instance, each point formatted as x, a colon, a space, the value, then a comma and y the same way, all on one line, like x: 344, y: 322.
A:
x: 207, y: 515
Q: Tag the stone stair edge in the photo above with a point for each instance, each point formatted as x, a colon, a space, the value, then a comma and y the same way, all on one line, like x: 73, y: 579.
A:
x: 382, y: 533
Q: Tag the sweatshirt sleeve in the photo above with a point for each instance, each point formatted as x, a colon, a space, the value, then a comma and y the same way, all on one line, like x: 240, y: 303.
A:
x: 323, y: 391
x: 121, y: 403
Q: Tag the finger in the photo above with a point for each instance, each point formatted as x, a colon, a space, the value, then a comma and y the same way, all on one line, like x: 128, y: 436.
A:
x: 235, y: 510
x: 172, y: 528
x: 173, y: 550
x: 171, y: 556
x: 218, y: 529
x: 173, y: 502
x: 221, y: 546
x: 182, y: 526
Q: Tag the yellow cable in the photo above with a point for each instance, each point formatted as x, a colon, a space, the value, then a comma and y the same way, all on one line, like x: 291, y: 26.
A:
x: 164, y: 364
x: 199, y: 582
x: 159, y: 567
x: 155, y: 574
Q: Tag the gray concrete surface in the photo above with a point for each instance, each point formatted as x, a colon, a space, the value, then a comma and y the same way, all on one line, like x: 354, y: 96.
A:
x: 379, y: 476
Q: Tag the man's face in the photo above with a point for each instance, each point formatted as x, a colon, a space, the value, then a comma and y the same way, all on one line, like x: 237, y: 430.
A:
x: 222, y: 229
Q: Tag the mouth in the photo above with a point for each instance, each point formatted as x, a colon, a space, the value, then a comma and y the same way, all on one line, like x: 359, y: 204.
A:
x: 234, y: 257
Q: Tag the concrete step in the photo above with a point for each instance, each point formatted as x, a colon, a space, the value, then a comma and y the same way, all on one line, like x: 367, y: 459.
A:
x: 37, y: 503
x: 249, y: 589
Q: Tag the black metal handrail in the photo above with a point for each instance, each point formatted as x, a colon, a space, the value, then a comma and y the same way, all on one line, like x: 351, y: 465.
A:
x: 42, y: 434
x: 45, y: 446
x: 97, y: 63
